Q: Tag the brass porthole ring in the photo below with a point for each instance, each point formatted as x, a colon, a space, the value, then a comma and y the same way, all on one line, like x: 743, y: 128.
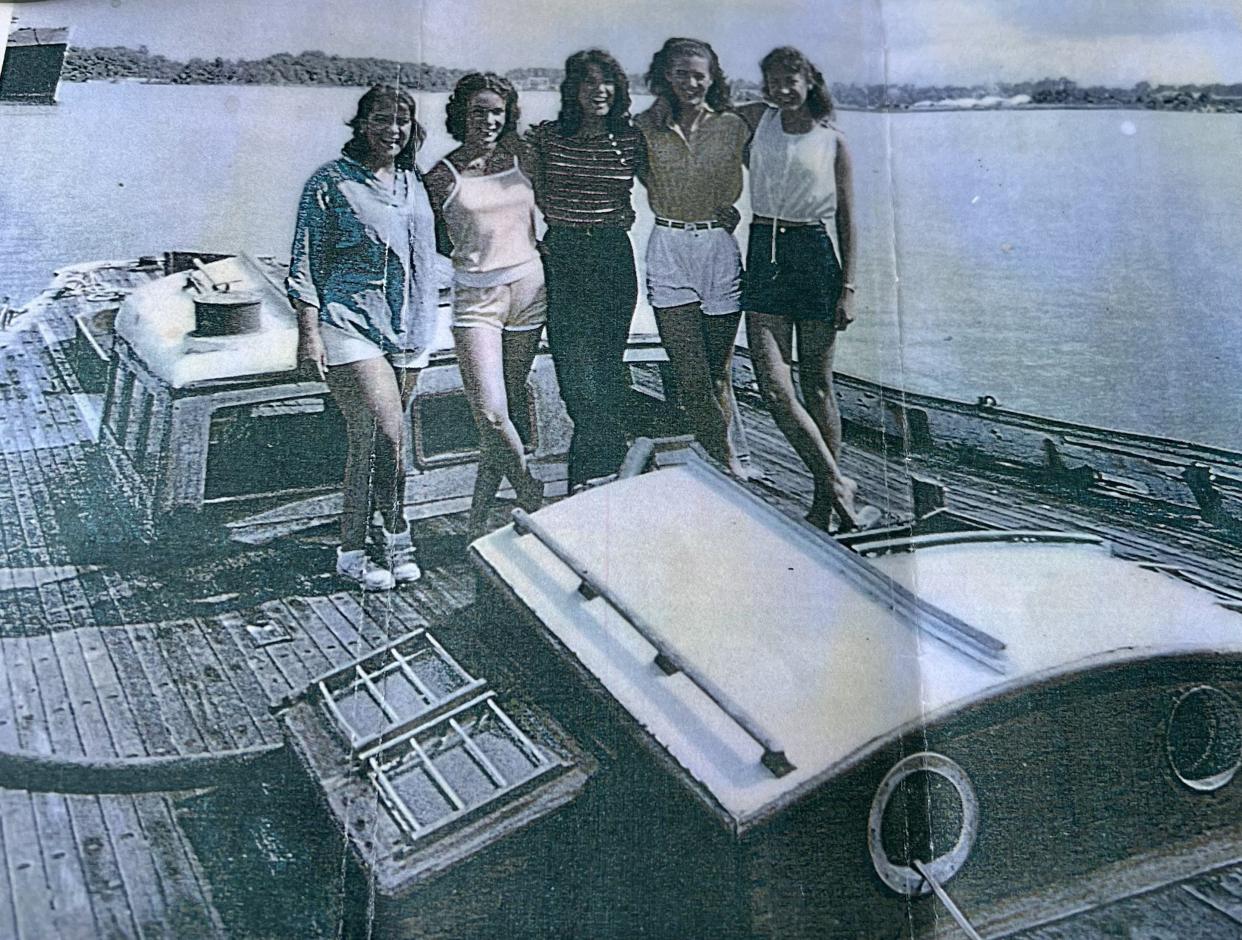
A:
x: 902, y: 878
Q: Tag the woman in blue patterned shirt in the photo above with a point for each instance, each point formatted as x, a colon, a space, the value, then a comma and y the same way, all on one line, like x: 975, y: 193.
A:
x: 362, y: 279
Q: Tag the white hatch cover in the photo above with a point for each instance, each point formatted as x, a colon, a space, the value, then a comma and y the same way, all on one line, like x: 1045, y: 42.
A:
x: 756, y: 652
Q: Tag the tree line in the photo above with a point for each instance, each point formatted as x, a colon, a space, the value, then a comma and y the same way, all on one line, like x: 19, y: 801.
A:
x: 115, y: 63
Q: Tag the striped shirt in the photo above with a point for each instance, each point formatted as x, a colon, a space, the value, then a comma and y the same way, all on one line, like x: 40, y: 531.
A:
x: 585, y: 181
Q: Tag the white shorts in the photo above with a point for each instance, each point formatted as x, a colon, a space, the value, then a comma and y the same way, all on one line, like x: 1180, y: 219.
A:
x: 343, y: 347
x: 703, y: 266
x: 514, y: 307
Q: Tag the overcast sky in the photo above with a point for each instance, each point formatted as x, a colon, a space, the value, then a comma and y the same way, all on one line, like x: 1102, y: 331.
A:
x: 920, y: 41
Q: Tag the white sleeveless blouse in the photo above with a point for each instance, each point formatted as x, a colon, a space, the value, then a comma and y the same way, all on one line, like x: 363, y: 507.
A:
x: 793, y: 176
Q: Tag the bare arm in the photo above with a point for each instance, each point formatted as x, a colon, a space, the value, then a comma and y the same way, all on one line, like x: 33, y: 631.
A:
x: 750, y: 113
x: 439, y: 182
x: 846, y: 232
x: 642, y: 168
x: 312, y: 357
x: 534, y: 163
x: 300, y: 285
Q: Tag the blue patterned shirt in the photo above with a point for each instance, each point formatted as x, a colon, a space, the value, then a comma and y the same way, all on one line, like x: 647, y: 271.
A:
x: 364, y: 254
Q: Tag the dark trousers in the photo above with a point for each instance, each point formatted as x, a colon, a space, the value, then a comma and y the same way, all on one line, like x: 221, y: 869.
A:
x: 592, y: 288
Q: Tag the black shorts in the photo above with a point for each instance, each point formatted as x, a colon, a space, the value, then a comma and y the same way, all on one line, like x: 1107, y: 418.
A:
x: 805, y: 281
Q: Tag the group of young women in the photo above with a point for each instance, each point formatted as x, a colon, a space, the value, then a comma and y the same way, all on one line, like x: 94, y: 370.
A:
x: 362, y: 273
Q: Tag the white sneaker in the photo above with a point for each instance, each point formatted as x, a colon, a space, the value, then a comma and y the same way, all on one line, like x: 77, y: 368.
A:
x: 399, y: 556
x: 357, y: 567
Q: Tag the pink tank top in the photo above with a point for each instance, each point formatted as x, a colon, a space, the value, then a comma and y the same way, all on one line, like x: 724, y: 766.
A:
x: 491, y: 220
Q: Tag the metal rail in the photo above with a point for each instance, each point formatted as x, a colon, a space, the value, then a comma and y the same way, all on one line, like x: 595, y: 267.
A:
x: 974, y: 536
x: 668, y: 659
x: 954, y: 911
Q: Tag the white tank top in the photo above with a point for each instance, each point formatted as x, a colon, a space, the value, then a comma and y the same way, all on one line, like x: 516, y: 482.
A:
x: 491, y: 220
x: 793, y: 176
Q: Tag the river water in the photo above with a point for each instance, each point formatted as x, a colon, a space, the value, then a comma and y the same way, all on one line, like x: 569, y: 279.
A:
x: 1077, y: 264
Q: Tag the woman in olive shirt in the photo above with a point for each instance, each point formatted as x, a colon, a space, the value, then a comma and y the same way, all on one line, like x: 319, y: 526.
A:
x: 693, y: 175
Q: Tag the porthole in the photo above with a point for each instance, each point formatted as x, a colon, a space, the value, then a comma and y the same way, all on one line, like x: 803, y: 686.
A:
x: 924, y: 810
x: 1204, y: 738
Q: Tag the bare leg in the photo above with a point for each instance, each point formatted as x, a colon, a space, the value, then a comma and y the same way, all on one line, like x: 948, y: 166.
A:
x: 482, y: 354
x: 682, y: 333
x: 771, y: 348
x: 719, y: 339
x: 407, y: 382
x: 370, y: 400
x: 817, y: 341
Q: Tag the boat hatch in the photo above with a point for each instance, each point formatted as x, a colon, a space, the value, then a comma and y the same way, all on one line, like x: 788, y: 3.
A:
x: 755, y: 652
x: 446, y: 769
x: 378, y: 697
x: 422, y: 763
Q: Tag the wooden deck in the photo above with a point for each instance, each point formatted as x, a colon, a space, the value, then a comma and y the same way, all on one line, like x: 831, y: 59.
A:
x: 129, y: 669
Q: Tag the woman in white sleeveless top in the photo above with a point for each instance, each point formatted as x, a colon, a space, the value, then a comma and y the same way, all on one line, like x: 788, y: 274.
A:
x: 487, y: 206
x: 800, y: 269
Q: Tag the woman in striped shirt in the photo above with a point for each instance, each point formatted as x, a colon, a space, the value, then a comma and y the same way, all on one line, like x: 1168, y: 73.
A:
x: 584, y: 166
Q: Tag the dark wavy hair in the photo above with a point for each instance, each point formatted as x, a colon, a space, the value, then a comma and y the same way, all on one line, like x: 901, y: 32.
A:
x: 717, y: 96
x: 377, y: 96
x: 470, y: 85
x: 819, y: 98
x: 576, y: 67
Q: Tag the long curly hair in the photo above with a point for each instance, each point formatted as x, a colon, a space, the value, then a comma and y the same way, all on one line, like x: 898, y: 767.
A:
x: 657, y: 83
x: 576, y: 69
x: 376, y: 97
x: 819, y: 98
x: 470, y: 85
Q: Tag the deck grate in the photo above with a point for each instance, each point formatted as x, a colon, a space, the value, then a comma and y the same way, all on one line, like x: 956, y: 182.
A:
x: 383, y: 694
x: 444, y: 771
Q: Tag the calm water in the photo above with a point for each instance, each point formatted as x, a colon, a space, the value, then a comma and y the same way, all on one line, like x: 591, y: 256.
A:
x: 1077, y: 264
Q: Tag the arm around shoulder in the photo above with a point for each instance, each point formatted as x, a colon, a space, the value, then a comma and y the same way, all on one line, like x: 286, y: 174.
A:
x: 751, y: 113
x: 439, y: 182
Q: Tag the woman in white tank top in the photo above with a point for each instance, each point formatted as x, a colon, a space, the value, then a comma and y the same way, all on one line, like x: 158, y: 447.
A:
x: 486, y: 205
x: 799, y: 270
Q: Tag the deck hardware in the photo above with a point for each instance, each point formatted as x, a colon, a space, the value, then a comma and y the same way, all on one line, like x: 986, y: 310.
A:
x: 917, y: 613
x: 265, y: 633
x: 1200, y: 479
x: 978, y: 536
x: 1079, y: 477
x: 928, y: 495
x: 1203, y: 738
x: 637, y: 458
x: 666, y: 657
x: 906, y: 879
x: 954, y: 911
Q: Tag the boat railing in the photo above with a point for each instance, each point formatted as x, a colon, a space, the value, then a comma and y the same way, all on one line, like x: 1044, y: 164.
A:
x: 885, y: 546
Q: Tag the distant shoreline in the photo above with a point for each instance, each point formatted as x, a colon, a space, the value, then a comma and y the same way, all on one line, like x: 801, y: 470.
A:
x: 313, y: 68
x: 917, y: 108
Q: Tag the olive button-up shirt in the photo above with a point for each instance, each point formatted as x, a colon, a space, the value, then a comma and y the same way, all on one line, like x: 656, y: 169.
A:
x: 689, y: 177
